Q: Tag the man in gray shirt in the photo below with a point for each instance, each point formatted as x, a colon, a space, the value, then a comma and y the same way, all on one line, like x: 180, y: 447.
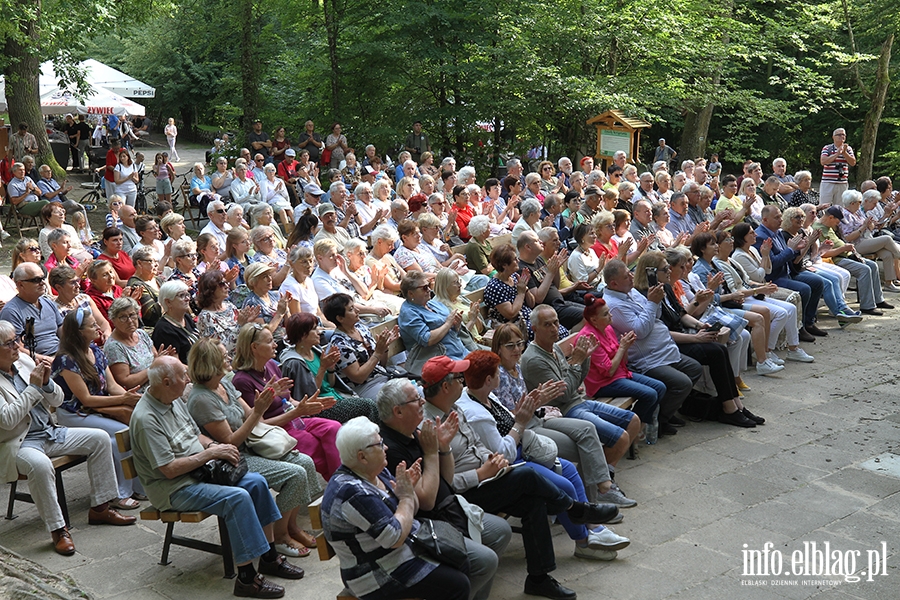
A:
x: 544, y: 361
x: 168, y: 447
x: 654, y: 353
x: 31, y: 303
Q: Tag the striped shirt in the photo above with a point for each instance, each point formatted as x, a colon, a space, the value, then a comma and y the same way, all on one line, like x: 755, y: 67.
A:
x: 358, y: 519
x: 835, y: 172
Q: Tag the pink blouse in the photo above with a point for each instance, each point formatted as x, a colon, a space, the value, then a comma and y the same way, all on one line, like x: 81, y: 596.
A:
x: 597, y: 377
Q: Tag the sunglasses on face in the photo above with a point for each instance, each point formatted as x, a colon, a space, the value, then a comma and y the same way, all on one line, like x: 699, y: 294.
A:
x: 219, y: 211
x: 35, y: 280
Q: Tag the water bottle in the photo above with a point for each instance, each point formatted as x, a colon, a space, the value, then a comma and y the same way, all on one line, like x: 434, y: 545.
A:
x: 297, y: 423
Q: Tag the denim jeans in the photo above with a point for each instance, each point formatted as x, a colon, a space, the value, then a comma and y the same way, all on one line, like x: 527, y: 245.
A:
x: 610, y: 421
x: 569, y: 482
x: 648, y: 391
x: 246, y: 508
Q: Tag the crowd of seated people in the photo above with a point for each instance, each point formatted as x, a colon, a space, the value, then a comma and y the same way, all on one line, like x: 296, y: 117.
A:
x: 420, y: 337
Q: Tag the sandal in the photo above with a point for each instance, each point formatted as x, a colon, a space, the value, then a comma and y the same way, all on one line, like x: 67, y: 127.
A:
x: 125, y: 504
x: 305, y: 538
x: 139, y: 497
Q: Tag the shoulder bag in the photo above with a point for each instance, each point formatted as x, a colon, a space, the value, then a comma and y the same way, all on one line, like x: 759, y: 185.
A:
x: 443, y: 542
x: 270, y: 441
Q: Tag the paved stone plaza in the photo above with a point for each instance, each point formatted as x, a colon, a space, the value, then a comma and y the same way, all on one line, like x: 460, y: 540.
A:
x: 819, y: 471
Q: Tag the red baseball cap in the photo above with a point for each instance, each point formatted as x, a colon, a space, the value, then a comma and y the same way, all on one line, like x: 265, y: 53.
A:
x: 440, y: 366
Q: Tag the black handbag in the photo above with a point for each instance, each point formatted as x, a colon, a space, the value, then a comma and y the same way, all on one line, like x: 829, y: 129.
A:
x: 443, y: 542
x: 220, y: 472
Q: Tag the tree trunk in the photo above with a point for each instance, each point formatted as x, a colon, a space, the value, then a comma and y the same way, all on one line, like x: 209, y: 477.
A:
x: 249, y: 78
x: 332, y: 31
x: 866, y: 154
x: 696, y: 128
x: 22, y: 95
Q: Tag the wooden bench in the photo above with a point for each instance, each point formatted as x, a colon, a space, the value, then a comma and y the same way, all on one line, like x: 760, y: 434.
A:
x: 501, y: 240
x: 60, y: 464
x: 170, y: 517
x: 397, y: 346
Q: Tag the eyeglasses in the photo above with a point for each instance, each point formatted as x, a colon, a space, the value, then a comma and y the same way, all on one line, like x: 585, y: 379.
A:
x: 268, y: 238
x: 258, y: 159
x: 189, y: 255
x: 129, y: 317
x: 460, y: 377
x: 421, y: 287
x: 183, y: 296
x: 256, y: 329
x: 514, y: 345
x: 419, y: 399
x: 547, y: 169
x: 223, y: 284
x: 11, y: 344
x: 378, y: 444
x: 33, y: 280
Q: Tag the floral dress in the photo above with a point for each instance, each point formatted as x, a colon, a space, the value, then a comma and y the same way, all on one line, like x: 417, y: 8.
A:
x: 510, y: 389
x: 221, y: 325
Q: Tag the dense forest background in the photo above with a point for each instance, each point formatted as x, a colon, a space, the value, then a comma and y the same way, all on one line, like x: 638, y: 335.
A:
x: 746, y: 78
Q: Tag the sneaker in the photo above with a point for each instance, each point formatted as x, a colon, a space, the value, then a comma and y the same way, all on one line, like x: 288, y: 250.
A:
x: 890, y: 287
x: 549, y: 587
x: 615, y: 496
x: 90, y: 207
x: 774, y: 358
x: 768, y: 368
x: 3, y: 234
x: 606, y: 539
x: 799, y: 355
x: 593, y: 554
x: 851, y: 316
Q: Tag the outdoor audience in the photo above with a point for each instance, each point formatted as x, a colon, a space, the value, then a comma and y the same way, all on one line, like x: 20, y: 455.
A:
x: 521, y: 308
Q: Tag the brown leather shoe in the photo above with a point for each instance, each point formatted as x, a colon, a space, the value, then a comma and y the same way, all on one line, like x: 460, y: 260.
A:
x: 260, y: 588
x: 62, y: 542
x: 110, y: 516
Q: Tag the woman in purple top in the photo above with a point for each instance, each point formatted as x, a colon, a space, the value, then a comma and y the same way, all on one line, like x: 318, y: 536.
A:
x: 255, y: 368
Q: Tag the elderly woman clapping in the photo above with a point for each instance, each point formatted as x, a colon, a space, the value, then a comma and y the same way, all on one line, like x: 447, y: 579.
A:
x: 857, y: 228
x: 263, y: 239
x: 176, y: 327
x: 129, y: 348
x: 223, y: 416
x: 60, y: 242
x: 428, y: 328
x: 369, y: 516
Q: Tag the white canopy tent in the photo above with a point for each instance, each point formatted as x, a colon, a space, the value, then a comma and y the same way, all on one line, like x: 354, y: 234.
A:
x: 98, y: 74
x: 109, y: 90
